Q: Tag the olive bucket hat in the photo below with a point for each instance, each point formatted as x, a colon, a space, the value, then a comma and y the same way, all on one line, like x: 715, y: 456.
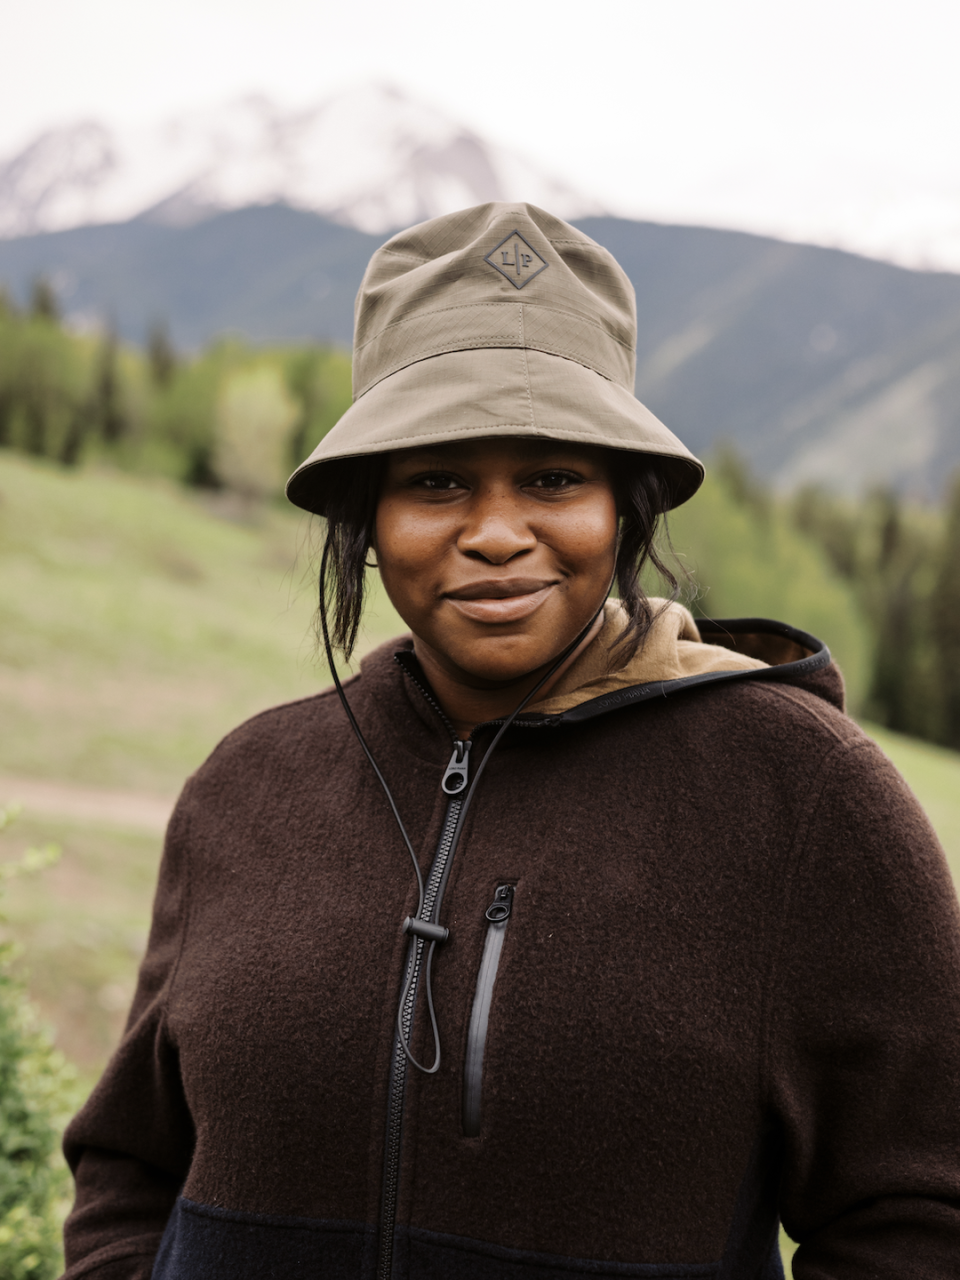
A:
x: 500, y: 320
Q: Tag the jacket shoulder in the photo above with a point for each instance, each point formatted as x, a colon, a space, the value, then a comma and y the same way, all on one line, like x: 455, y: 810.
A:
x: 273, y: 742
x: 818, y: 745
x: 780, y: 705
x: 285, y: 722
x: 784, y: 720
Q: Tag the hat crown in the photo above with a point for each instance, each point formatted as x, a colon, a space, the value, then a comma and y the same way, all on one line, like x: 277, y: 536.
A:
x: 496, y: 275
x: 496, y: 321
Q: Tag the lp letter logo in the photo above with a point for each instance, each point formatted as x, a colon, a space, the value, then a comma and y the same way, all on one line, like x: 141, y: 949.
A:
x: 516, y: 259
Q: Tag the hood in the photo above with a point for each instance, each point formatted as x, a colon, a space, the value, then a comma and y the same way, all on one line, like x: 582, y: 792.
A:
x: 673, y: 649
x: 680, y: 653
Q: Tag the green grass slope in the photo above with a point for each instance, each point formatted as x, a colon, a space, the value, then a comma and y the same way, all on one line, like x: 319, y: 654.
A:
x: 137, y: 626
x: 82, y: 926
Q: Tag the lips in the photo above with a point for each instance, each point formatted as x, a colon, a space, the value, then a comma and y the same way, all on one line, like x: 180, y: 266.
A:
x: 500, y: 599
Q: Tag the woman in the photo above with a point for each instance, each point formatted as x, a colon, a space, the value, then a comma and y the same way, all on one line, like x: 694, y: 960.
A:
x: 678, y: 954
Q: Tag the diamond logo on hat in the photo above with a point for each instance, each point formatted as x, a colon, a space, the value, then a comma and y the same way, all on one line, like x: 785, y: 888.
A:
x: 516, y: 259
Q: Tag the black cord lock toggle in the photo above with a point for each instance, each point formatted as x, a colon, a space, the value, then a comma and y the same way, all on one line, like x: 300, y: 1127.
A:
x: 424, y: 929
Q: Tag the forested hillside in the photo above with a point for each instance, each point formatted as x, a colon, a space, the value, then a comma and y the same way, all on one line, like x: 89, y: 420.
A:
x: 232, y: 416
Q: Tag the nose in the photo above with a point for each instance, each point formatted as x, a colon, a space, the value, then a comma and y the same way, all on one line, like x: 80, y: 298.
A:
x: 496, y: 529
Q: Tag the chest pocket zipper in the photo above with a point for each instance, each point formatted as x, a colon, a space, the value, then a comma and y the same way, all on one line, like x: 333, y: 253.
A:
x: 498, y: 916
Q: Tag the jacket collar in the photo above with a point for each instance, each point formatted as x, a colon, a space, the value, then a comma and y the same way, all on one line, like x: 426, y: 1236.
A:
x: 679, y: 654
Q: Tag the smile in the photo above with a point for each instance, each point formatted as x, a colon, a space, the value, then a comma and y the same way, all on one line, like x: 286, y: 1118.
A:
x: 504, y: 601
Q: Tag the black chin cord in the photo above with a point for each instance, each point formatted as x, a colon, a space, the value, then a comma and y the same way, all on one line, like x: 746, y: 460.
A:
x: 356, y: 728
x: 458, y: 829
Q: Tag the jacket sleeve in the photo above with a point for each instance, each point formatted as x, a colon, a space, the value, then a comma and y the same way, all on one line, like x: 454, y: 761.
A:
x: 863, y: 1049
x: 130, y: 1146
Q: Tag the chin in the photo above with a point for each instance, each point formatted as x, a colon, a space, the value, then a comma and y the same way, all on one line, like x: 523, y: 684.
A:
x: 512, y: 662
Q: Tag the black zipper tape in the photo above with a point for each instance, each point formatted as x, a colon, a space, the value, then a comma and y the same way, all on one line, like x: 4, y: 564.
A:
x: 399, y: 1063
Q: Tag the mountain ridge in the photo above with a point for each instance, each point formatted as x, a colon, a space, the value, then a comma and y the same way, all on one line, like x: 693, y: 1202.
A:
x: 818, y: 364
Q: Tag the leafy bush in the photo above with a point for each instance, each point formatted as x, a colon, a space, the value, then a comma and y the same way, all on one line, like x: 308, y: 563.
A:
x: 47, y: 382
x: 254, y: 418
x: 37, y: 1093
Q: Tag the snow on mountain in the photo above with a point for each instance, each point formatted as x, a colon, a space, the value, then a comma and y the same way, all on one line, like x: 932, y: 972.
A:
x: 369, y: 158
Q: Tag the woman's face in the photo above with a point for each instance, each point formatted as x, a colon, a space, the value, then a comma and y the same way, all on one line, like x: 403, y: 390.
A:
x: 496, y: 552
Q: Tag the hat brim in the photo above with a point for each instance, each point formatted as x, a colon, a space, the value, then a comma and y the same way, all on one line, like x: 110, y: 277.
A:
x: 503, y: 391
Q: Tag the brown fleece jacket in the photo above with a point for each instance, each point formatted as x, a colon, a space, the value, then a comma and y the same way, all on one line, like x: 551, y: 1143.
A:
x: 729, y: 988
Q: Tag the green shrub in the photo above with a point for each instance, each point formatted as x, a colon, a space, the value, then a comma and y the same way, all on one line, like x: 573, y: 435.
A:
x: 38, y: 1091
x: 255, y: 414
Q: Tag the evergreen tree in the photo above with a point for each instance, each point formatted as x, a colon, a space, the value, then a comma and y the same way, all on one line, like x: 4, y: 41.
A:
x: 107, y: 407
x: 895, y: 617
x: 71, y: 446
x: 43, y: 301
x: 161, y: 355
x: 945, y: 618
x: 8, y: 330
x: 734, y: 473
x: 834, y: 524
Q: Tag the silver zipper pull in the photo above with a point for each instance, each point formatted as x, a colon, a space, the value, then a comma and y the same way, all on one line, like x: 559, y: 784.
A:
x: 455, y: 776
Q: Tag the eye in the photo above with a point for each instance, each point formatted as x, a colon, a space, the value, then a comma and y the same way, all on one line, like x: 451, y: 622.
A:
x: 437, y: 481
x: 554, y: 480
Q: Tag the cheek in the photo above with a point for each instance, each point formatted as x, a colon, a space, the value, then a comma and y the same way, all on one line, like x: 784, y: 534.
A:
x: 588, y: 536
x: 410, y: 547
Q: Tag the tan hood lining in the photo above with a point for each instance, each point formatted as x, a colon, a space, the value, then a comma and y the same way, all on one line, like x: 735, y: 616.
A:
x: 672, y: 650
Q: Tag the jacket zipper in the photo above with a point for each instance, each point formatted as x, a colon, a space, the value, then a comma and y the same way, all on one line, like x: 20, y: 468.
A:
x: 453, y: 782
x: 497, y: 914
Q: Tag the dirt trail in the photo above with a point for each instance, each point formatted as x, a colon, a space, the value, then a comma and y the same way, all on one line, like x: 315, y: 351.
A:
x: 89, y: 804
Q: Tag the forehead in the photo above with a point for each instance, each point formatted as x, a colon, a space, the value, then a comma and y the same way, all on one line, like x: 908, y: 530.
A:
x: 498, y: 450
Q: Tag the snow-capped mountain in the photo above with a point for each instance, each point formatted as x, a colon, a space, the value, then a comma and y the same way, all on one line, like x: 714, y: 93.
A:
x: 370, y: 158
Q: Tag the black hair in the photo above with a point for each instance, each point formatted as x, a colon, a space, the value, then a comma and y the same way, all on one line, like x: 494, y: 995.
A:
x: 644, y: 489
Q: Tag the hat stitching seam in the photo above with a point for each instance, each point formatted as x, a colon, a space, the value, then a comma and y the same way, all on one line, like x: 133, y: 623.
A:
x: 615, y: 442
x: 474, y: 306
x: 575, y: 356
x: 399, y: 253
x: 502, y: 339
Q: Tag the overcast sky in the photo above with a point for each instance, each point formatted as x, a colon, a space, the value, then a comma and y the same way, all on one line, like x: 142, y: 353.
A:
x: 836, y: 120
